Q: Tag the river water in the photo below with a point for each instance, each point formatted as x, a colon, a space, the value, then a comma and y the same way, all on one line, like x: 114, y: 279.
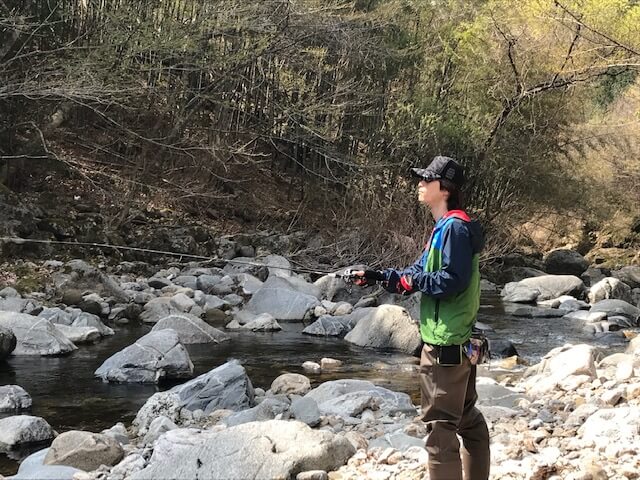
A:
x: 66, y: 394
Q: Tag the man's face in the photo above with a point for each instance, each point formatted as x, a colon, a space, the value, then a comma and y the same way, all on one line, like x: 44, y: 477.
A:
x: 429, y: 192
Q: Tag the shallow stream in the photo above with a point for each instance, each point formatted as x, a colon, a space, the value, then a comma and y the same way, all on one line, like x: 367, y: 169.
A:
x: 66, y: 394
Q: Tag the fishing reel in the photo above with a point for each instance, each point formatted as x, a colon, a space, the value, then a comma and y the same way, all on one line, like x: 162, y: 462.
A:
x: 370, y: 277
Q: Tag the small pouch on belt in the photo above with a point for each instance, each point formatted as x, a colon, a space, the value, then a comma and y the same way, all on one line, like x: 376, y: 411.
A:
x: 449, y: 355
x: 477, y: 350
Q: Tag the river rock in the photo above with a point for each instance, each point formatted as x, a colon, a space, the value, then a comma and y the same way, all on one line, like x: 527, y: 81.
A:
x: 34, y: 335
x: 226, y: 386
x: 491, y: 392
x: 158, y: 427
x: 558, y: 364
x: 609, y: 288
x: 8, y: 292
x: 593, y: 275
x: 158, y: 308
x: 388, y: 326
x: 17, y: 305
x: 8, y: 342
x: 240, y: 265
x: 80, y: 335
x: 262, y: 323
x: 502, y: 348
x: 191, y: 329
x: 84, y: 278
x: 272, y: 449
x: 535, y: 312
x: 268, y: 409
x: 84, y: 319
x: 390, y: 402
x: 586, y: 317
x: 278, y: 266
x: 33, y: 468
x: 248, y: 283
x: 84, y: 450
x: 547, y: 287
x: 23, y: 430
x: 565, y: 262
x: 156, y: 356
x: 337, y: 326
x: 14, y: 398
x: 159, y: 283
x: 57, y: 316
x: 291, y: 383
x: 305, y: 410
x: 617, y: 307
x: 629, y: 275
x: 620, y: 423
x: 281, y: 299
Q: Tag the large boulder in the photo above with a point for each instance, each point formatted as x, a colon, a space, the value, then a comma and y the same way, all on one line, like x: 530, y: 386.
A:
x: 541, y: 288
x: 8, y: 342
x: 609, y: 288
x: 337, y: 326
x: 23, y: 430
x: 14, y: 398
x: 608, y: 425
x: 387, y: 327
x: 35, y: 336
x: 268, y: 409
x: 157, y: 309
x: 84, y: 450
x: 283, y: 298
x: 617, y: 308
x: 79, y: 335
x: 154, y: 357
x: 327, y: 395
x: 565, y: 262
x: 17, y: 305
x: 629, y: 275
x: 291, y: 383
x: 33, y: 468
x: 559, y: 364
x: 226, y: 386
x: 85, y: 278
x: 191, y: 329
x: 256, y: 450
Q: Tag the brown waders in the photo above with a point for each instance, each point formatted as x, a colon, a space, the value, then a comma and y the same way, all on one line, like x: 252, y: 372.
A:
x: 448, y: 406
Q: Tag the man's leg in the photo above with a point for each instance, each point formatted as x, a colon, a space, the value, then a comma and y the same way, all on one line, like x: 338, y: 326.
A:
x: 475, y: 435
x: 443, y: 391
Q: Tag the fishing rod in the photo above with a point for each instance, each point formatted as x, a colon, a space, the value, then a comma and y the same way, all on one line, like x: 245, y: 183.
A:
x: 347, y: 275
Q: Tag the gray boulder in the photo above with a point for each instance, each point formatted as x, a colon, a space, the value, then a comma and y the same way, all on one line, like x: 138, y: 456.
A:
x: 629, y: 275
x: 398, y: 440
x: 85, y: 319
x: 84, y: 450
x: 389, y: 402
x: 256, y: 450
x: 244, y: 320
x: 617, y: 307
x: 281, y: 299
x: 33, y: 468
x: 305, y: 410
x: 17, y: 305
x: 157, y: 428
x: 565, y: 262
x: 34, y: 335
x: 338, y: 326
x: 535, y: 312
x: 593, y: 275
x: 226, y: 386
x: 8, y: 292
x: 14, y: 398
x: 387, y: 326
x: 191, y: 329
x: 278, y: 266
x: 156, y: 356
x: 8, y: 342
x: 291, y: 383
x: 23, y: 430
x: 248, y: 283
x: 547, y: 287
x: 158, y: 308
x: 609, y: 288
x: 79, y: 335
x: 85, y: 278
x: 57, y: 316
x: 268, y: 409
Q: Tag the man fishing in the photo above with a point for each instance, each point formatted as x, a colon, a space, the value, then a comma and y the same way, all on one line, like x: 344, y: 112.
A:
x: 447, y: 275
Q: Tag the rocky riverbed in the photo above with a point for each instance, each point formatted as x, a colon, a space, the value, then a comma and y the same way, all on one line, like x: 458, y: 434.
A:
x: 572, y: 414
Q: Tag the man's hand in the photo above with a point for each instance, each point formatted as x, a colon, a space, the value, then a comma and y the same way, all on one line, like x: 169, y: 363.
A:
x: 367, y: 278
